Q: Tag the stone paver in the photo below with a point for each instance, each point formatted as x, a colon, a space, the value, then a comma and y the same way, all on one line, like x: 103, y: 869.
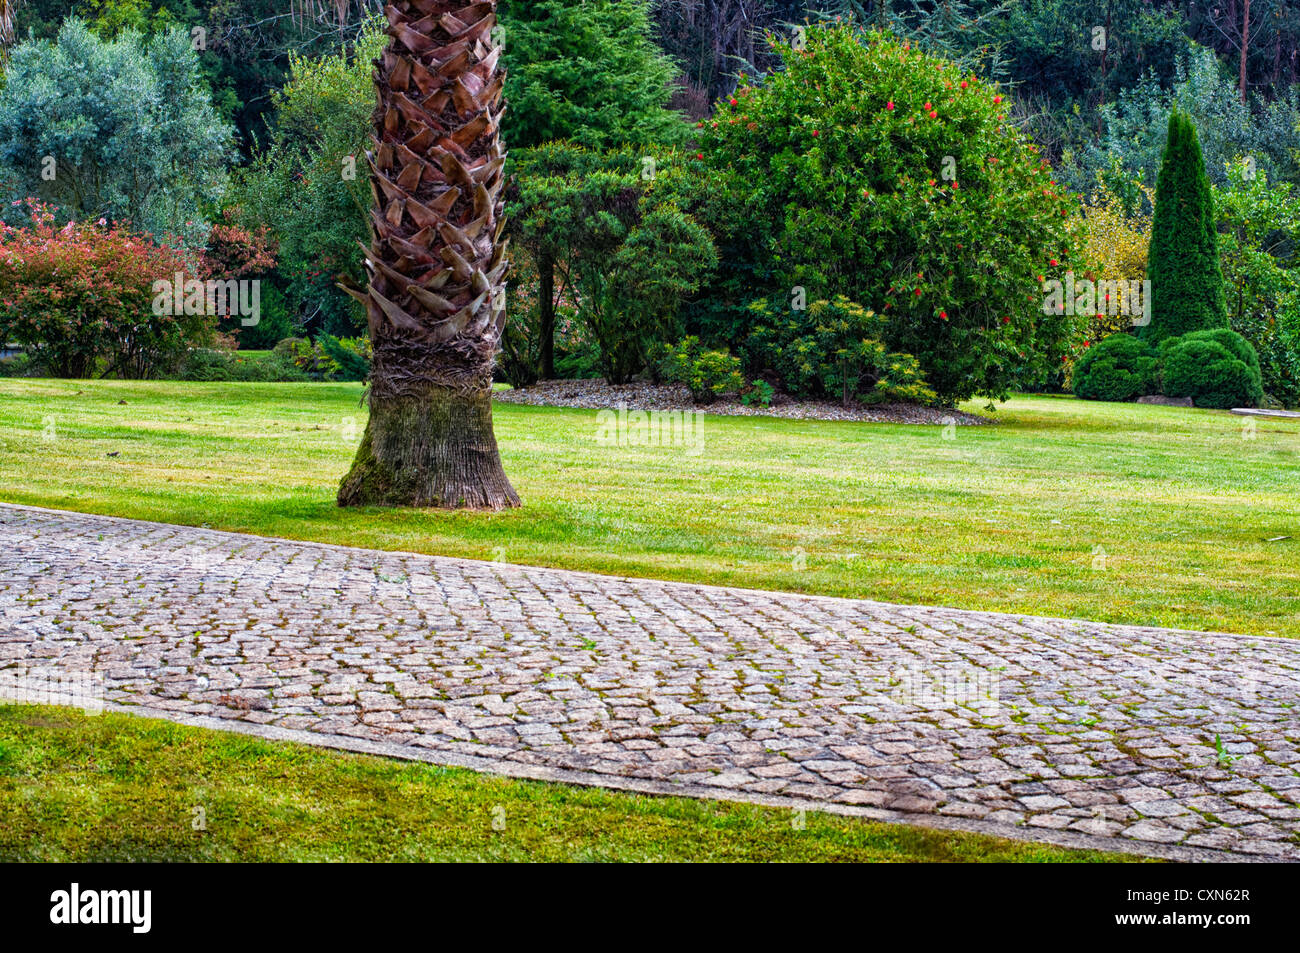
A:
x: 994, y: 722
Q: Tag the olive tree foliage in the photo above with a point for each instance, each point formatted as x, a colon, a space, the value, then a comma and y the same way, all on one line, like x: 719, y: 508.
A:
x: 122, y: 130
x: 309, y: 180
x: 1135, y: 125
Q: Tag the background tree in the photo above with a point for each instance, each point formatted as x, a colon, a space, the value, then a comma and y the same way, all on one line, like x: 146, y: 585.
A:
x: 1135, y: 125
x: 623, y: 249
x: 1259, y: 248
x: 870, y: 170
x: 585, y: 71
x: 309, y: 182
x: 435, y: 304
x: 122, y: 130
x: 1183, y: 259
x: 245, y: 43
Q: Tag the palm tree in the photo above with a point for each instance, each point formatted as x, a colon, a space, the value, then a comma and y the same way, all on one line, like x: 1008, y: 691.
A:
x: 436, y: 261
x: 8, y: 9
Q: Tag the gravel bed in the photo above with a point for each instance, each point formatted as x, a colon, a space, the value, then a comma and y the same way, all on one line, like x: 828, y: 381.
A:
x: 598, y: 395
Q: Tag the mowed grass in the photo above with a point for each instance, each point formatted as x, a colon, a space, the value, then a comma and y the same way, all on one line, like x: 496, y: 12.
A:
x: 1114, y: 512
x: 120, y: 788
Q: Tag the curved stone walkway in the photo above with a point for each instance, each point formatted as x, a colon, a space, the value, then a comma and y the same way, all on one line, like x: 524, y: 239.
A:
x: 1172, y: 743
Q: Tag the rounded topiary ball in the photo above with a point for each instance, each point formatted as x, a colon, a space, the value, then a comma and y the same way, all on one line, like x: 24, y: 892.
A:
x: 1208, y: 367
x: 1118, y: 368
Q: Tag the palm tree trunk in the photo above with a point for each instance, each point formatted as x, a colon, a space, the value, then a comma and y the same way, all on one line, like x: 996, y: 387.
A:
x: 436, y: 448
x: 436, y: 300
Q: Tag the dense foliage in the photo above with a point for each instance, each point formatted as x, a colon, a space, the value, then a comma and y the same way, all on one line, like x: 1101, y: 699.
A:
x: 804, y: 182
x: 122, y: 130
x: 585, y: 71
x: 1216, y: 368
x: 833, y: 349
x: 708, y: 373
x: 1183, y: 260
x: 79, y: 298
x: 871, y: 170
x: 310, y: 183
x: 1259, y: 238
x: 1121, y: 367
x: 627, y: 253
x: 1118, y: 232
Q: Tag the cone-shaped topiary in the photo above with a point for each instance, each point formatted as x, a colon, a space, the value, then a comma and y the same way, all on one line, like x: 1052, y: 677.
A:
x: 1183, y: 261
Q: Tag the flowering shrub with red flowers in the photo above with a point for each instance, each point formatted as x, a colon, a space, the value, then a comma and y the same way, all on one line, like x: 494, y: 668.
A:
x: 79, y: 298
x: 234, y: 251
x: 872, y: 170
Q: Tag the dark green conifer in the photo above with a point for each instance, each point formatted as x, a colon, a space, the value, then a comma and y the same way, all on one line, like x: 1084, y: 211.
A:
x: 1183, y: 261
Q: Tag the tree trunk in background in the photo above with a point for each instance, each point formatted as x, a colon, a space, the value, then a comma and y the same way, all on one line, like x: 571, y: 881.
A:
x: 1245, y: 49
x: 436, y: 301
x: 546, y: 326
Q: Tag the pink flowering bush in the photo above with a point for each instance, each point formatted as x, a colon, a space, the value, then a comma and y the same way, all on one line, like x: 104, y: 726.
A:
x: 79, y: 298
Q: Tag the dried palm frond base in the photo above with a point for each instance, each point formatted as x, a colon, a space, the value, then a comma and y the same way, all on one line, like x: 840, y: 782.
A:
x: 432, y: 450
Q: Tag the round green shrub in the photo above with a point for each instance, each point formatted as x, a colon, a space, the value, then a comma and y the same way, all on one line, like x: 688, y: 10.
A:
x: 1117, y: 368
x: 873, y: 170
x: 1208, y: 368
x: 1231, y: 341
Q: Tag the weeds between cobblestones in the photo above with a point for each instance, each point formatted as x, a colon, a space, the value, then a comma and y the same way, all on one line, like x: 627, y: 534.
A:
x: 1054, y: 725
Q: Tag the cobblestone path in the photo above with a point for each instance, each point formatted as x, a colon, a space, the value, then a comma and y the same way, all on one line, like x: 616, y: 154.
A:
x: 1152, y: 740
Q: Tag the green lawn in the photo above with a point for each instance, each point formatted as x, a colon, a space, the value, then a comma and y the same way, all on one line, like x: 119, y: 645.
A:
x: 1117, y: 512
x: 119, y: 788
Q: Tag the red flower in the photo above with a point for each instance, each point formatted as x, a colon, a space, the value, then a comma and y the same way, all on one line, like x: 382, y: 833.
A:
x: 926, y: 106
x: 1052, y: 262
x: 1006, y: 320
x: 735, y: 102
x: 890, y: 105
x: 816, y: 133
x: 964, y: 84
x: 699, y: 155
x: 917, y: 292
x: 933, y: 114
x: 944, y: 315
x: 997, y: 99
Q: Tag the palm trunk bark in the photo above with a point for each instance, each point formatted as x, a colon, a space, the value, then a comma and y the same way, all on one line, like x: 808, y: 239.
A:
x: 436, y: 301
x: 435, y: 449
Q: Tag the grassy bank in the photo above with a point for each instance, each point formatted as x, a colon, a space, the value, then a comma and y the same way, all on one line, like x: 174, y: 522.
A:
x: 114, y: 787
x: 1125, y: 513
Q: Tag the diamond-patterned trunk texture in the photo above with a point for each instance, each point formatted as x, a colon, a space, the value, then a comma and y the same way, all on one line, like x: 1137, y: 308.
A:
x: 437, y: 257
x: 436, y: 302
